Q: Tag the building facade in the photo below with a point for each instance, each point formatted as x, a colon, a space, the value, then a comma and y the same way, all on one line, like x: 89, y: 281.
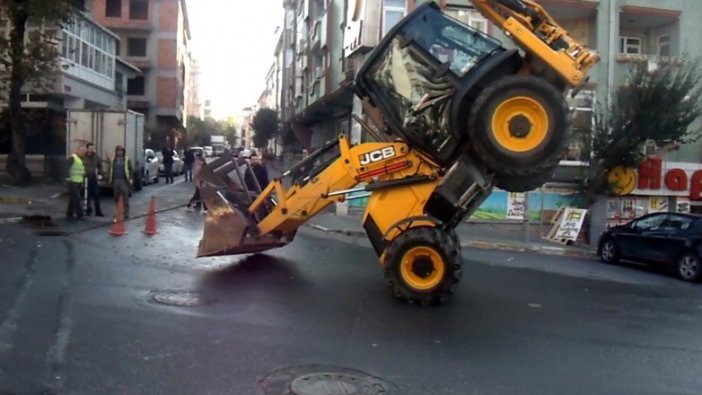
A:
x: 154, y: 36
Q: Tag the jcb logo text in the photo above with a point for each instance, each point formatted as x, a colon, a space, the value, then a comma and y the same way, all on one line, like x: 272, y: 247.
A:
x: 377, y: 155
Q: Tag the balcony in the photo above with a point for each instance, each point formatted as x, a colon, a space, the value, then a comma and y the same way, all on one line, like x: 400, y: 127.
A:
x: 318, y: 39
x: 647, y: 34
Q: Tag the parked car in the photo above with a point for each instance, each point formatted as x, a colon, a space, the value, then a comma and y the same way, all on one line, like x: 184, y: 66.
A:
x: 197, y: 150
x: 178, y: 165
x: 151, y: 168
x: 669, y: 240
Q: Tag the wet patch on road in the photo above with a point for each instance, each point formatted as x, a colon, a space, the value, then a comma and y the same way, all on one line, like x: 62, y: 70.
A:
x: 326, y: 380
x: 181, y: 298
x: 43, y: 225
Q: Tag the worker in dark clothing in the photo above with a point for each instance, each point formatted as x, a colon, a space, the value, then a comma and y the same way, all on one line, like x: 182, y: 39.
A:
x: 188, y: 162
x: 93, y: 170
x: 121, y: 178
x: 74, y: 181
x: 260, y: 172
x: 168, y: 164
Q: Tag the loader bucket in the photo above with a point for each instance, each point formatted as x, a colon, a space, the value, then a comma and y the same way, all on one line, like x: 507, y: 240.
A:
x: 230, y: 228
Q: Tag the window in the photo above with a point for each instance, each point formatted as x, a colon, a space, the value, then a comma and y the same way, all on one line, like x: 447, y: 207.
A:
x: 139, y: 9
x: 393, y: 12
x: 469, y: 17
x: 664, y: 45
x: 630, y: 45
x: 677, y: 222
x: 136, y: 86
x: 650, y: 223
x: 136, y: 47
x: 113, y: 8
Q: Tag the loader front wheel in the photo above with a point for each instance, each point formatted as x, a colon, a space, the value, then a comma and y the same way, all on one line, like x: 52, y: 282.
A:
x: 517, y: 123
x: 423, y: 265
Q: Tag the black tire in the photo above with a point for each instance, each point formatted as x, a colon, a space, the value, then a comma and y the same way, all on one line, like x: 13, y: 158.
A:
x: 689, y: 267
x: 523, y: 183
x: 608, y: 251
x: 443, y: 245
x: 536, y: 147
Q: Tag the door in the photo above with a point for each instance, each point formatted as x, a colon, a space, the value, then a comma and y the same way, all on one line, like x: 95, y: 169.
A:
x: 638, y: 241
x: 677, y: 230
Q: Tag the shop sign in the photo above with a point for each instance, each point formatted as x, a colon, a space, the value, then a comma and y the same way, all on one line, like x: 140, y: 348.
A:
x: 655, y: 177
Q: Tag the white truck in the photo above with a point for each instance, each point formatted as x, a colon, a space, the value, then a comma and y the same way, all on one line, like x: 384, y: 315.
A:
x: 108, y: 129
x: 218, y: 144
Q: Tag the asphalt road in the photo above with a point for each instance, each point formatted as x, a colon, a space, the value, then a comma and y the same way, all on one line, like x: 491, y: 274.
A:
x: 85, y: 314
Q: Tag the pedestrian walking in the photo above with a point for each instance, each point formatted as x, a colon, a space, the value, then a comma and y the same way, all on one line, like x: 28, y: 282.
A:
x: 74, y: 182
x: 168, y: 164
x: 121, y: 178
x: 188, y: 161
x: 93, y: 173
x: 196, y: 199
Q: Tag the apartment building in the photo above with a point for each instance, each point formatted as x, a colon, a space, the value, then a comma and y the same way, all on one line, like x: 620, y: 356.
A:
x: 154, y: 36
x: 90, y: 75
x: 194, y: 105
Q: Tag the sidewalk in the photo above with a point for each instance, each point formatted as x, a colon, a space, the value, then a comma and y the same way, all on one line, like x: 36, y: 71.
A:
x: 472, y: 235
x: 16, y: 202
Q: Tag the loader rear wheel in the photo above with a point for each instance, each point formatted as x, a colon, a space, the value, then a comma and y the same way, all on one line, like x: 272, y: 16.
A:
x: 519, y: 125
x: 423, y: 265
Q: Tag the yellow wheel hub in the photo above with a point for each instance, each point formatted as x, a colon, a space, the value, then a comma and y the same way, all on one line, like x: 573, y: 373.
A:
x: 422, y: 268
x: 520, y: 124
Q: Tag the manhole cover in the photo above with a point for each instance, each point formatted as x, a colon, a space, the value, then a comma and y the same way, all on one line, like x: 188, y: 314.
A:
x: 181, y: 298
x: 336, y: 383
x: 322, y: 380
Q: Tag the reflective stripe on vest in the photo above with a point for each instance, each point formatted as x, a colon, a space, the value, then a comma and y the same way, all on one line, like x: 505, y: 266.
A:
x: 76, y: 171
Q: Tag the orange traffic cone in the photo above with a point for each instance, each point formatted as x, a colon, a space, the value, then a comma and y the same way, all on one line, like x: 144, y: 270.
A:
x: 150, y: 228
x: 117, y: 228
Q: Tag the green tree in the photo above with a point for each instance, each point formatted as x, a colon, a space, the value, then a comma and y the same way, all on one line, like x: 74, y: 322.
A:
x: 29, y: 56
x: 656, y: 106
x: 200, y: 131
x: 265, y: 126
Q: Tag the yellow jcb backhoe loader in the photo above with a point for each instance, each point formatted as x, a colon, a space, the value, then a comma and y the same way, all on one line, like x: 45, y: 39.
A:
x: 456, y: 114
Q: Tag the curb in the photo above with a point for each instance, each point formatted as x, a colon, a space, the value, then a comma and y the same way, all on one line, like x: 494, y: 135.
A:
x: 546, y: 250
x: 484, y: 245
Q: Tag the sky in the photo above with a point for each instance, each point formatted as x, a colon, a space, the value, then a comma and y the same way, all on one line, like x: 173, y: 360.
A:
x: 233, y: 41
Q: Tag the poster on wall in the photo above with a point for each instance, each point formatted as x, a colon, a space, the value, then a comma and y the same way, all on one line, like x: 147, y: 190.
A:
x: 516, y: 206
x: 571, y: 223
x: 657, y: 204
x: 641, y: 206
x: 682, y: 205
x: 614, y: 208
x: 628, y: 208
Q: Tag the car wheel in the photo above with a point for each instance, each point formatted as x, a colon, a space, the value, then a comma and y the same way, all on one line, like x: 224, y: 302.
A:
x: 689, y: 267
x: 608, y: 252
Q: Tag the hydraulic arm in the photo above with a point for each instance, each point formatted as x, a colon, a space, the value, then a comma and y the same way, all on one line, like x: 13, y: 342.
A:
x: 538, y: 33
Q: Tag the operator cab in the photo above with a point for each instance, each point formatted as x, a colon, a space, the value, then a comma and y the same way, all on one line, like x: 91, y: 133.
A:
x: 414, y: 73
